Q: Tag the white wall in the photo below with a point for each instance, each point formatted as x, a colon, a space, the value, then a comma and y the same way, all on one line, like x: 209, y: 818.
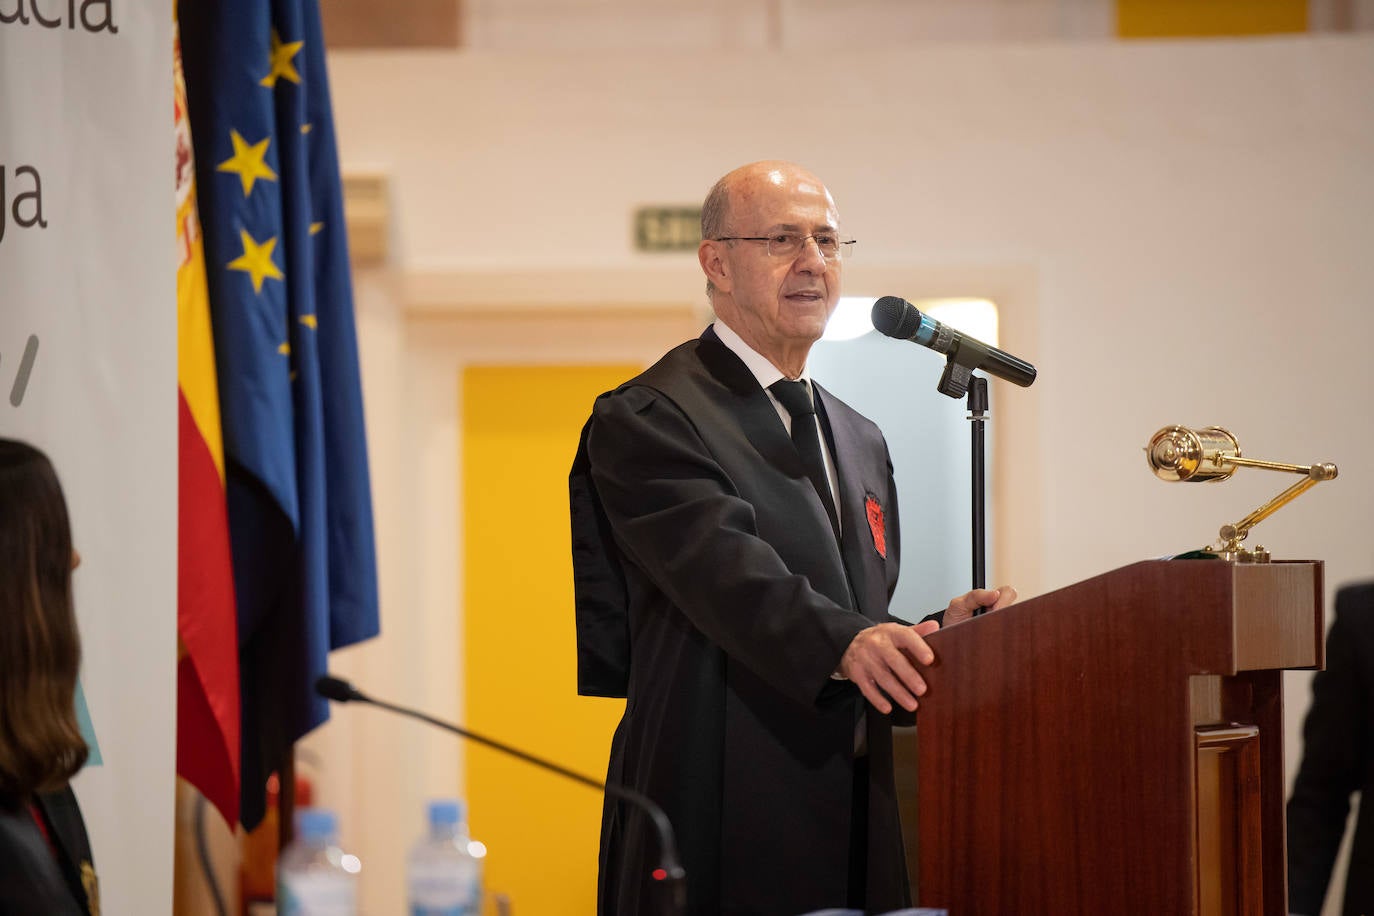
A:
x: 1187, y: 225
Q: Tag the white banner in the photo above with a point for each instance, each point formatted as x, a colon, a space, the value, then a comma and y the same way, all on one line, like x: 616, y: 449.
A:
x: 88, y: 374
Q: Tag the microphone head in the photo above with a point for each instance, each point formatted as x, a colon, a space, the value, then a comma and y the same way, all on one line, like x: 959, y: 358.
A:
x: 895, y: 317
x: 337, y: 689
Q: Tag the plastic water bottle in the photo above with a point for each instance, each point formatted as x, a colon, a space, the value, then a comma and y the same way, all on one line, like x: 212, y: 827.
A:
x: 444, y: 871
x: 314, y: 876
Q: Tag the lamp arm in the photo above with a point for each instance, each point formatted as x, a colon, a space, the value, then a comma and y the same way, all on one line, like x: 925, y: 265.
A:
x: 1232, y: 535
x: 1307, y: 469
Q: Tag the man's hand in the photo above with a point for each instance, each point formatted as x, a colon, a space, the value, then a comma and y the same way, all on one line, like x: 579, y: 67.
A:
x: 881, y: 661
x: 963, y: 607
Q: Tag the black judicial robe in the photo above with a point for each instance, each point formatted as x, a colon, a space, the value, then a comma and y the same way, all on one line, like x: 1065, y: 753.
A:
x: 711, y: 592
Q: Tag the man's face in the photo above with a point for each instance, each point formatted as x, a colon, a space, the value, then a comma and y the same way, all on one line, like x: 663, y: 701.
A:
x: 778, y: 304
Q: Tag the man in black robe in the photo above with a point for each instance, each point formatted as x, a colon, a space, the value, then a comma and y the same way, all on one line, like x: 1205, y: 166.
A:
x: 733, y: 583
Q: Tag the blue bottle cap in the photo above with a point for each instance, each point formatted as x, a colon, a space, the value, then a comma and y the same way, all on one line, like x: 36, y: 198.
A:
x: 316, y: 823
x: 446, y: 812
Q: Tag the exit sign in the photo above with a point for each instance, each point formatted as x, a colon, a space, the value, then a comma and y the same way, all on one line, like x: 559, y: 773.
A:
x: 667, y: 228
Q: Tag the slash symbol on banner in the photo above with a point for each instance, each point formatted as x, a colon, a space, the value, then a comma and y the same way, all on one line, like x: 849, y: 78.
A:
x: 21, y: 378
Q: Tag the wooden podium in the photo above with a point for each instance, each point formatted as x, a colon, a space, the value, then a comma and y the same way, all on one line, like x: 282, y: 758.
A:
x: 1116, y: 746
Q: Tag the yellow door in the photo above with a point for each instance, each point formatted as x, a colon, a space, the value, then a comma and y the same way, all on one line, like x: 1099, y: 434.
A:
x: 520, y: 427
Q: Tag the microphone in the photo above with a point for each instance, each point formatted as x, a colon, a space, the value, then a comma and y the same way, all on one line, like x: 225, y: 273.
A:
x: 896, y: 317
x: 670, y: 870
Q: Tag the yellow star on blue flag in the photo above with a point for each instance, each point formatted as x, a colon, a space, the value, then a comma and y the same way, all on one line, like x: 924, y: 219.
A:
x: 248, y: 161
x: 283, y: 52
x: 256, y: 260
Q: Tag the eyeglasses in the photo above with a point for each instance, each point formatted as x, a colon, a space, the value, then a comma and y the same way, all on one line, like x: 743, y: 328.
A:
x: 790, y: 244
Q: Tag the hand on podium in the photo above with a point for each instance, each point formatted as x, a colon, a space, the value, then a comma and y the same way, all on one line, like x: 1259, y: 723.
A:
x: 881, y: 661
x: 976, y: 601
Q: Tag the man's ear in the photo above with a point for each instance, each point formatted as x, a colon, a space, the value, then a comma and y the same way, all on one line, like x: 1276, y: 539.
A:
x: 711, y: 254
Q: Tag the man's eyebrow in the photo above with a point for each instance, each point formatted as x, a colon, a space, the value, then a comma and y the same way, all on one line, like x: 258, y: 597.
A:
x: 795, y: 227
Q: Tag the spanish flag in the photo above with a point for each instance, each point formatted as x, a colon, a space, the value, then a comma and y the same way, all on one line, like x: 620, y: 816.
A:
x: 208, y: 740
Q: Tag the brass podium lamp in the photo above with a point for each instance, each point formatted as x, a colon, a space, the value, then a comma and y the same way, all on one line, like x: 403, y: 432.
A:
x: 1213, y: 454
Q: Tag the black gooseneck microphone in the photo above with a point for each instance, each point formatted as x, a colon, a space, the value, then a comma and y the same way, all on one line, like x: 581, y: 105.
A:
x: 670, y: 872
x: 896, y: 317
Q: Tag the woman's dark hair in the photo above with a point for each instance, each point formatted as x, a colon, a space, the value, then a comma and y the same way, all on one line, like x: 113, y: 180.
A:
x: 40, y: 652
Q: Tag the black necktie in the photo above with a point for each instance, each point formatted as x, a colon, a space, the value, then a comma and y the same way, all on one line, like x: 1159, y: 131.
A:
x: 796, y: 398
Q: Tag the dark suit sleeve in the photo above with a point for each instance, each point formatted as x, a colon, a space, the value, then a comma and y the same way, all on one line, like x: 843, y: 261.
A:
x: 680, y: 519
x: 1335, y: 746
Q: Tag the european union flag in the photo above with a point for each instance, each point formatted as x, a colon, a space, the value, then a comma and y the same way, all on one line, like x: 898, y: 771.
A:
x: 300, y: 512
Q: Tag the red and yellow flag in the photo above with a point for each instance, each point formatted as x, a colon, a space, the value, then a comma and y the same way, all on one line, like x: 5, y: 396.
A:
x: 208, y: 745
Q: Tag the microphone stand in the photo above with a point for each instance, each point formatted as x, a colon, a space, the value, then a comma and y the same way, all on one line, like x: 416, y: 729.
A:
x: 670, y: 873
x: 958, y: 379
x: 977, y: 407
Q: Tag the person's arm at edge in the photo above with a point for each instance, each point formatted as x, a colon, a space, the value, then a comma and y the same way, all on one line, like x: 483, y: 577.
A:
x: 1329, y: 771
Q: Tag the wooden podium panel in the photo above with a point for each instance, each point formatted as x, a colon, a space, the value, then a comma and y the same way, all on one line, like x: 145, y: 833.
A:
x: 1115, y: 746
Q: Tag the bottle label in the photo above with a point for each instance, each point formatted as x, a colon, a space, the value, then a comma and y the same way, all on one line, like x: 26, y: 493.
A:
x: 444, y: 891
x: 445, y: 887
x: 317, y: 895
x: 445, y: 901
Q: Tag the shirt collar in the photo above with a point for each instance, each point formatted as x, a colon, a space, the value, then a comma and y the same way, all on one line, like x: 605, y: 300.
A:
x: 757, y: 363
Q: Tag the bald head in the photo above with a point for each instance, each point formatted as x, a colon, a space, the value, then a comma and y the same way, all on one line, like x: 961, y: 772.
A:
x: 778, y: 303
x: 745, y: 182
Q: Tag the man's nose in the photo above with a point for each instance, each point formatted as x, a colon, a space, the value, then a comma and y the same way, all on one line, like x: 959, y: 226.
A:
x: 810, y: 259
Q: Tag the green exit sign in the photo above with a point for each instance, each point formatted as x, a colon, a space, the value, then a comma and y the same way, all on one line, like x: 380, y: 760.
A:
x: 667, y: 228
